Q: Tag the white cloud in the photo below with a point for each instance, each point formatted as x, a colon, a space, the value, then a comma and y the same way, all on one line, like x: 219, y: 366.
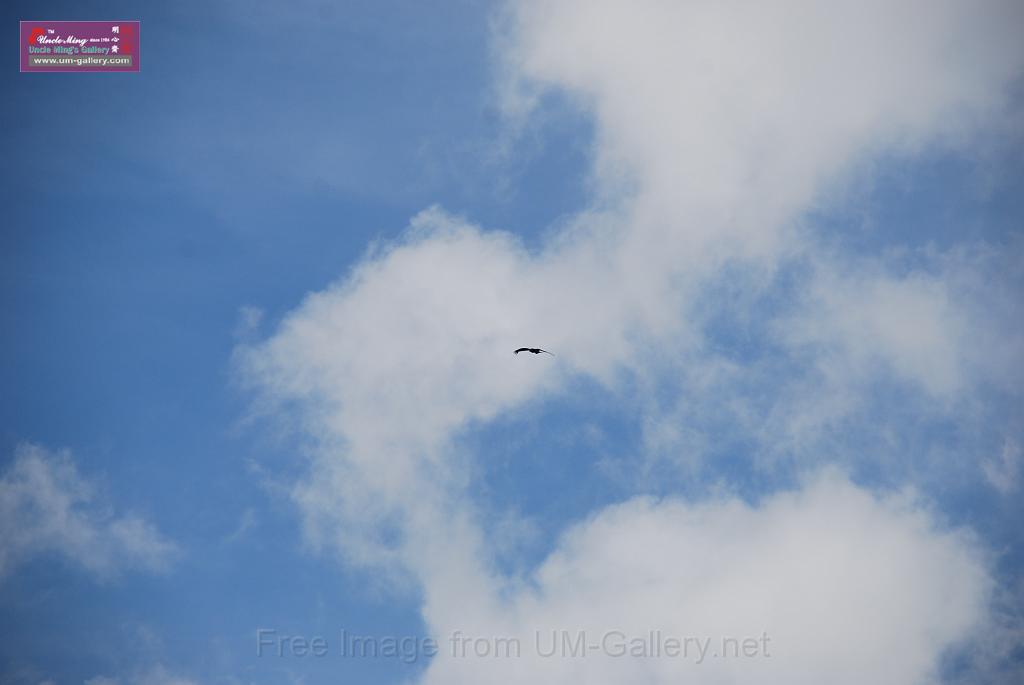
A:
x: 945, y: 326
x: 727, y: 129
x: 741, y: 114
x: 718, y: 126
x: 47, y: 507
x: 724, y: 124
x: 849, y: 588
x: 910, y: 325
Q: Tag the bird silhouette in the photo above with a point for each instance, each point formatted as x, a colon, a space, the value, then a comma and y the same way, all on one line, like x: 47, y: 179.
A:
x: 534, y: 350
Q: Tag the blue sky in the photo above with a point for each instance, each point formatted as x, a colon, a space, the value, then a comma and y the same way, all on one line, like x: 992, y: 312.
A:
x: 258, y: 303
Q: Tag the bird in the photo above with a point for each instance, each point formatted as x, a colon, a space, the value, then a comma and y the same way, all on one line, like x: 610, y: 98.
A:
x: 534, y: 350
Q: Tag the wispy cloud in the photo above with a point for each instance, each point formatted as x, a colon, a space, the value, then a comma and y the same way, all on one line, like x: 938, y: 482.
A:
x: 47, y: 507
x: 1004, y: 470
x: 158, y: 675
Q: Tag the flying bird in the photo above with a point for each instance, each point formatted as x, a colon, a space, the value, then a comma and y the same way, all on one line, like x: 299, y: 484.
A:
x: 534, y: 350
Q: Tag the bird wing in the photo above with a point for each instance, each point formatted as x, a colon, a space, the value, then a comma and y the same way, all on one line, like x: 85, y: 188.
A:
x: 522, y: 349
x: 551, y: 353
